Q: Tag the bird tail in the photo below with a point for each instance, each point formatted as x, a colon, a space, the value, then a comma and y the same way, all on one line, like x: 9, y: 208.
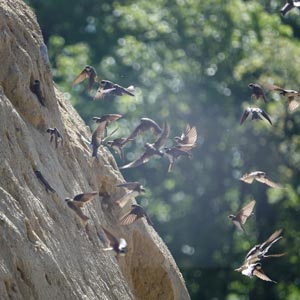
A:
x: 171, y: 166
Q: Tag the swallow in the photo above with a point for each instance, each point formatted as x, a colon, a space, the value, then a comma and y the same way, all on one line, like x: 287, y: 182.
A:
x: 108, y: 87
x: 44, y: 182
x: 256, y: 114
x: 108, y: 118
x: 254, y: 269
x: 292, y: 95
x: 134, y: 189
x: 175, y: 152
x: 258, y: 91
x: 36, y: 89
x: 261, y: 177
x: 118, y: 245
x: 151, y: 149
x: 134, y: 214
x: 117, y: 145
x: 290, y: 4
x: 78, y: 202
x: 241, y: 217
x: 97, y: 137
x: 88, y: 72
x: 145, y: 124
x: 54, y: 133
x: 188, y: 137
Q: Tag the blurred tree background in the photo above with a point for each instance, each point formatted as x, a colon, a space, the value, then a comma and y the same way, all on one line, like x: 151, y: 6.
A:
x: 191, y: 61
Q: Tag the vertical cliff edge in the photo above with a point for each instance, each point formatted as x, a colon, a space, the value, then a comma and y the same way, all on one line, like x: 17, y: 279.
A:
x: 46, y: 253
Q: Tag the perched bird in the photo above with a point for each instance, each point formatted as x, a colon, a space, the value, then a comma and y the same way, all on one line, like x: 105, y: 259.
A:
x: 134, y: 214
x: 258, y: 92
x: 54, y: 133
x: 36, y: 89
x: 175, y: 152
x: 261, y: 177
x: 117, y: 145
x: 188, y: 137
x: 44, y: 182
x: 292, y: 95
x: 108, y: 87
x: 256, y: 114
x: 88, y: 72
x: 108, y: 118
x: 134, y: 189
x: 151, y: 149
x: 118, y: 245
x: 97, y: 137
x: 78, y: 202
x: 145, y: 124
x: 241, y: 217
x: 290, y: 4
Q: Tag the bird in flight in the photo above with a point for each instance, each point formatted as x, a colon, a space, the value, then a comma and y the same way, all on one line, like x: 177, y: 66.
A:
x: 108, y: 87
x: 261, y: 177
x: 133, y: 189
x: 88, y: 72
x: 115, y: 244
x: 258, y: 91
x: 257, y: 114
x: 289, y: 4
x: 134, y: 214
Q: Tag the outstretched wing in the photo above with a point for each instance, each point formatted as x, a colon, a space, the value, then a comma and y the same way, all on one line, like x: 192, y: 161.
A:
x: 262, y: 276
x: 246, y: 212
x: 266, y: 116
x: 129, y: 185
x: 247, y: 178
x: 244, y: 116
x: 164, y: 135
x: 268, y: 182
x: 140, y: 161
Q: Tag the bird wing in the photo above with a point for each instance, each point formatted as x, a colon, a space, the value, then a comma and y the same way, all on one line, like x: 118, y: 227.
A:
x: 100, y: 93
x: 262, y: 276
x: 126, y: 91
x: 244, y: 116
x: 266, y: 116
x: 152, y: 125
x: 238, y: 225
x: 113, y: 241
x: 293, y: 103
x: 271, y: 238
x: 92, y: 78
x: 129, y: 185
x: 128, y: 218
x: 145, y: 157
x: 86, y: 197
x: 124, y: 199
x: 247, y: 178
x: 82, y: 76
x: 164, y: 135
x: 78, y: 211
x: 268, y: 182
x: 246, y: 212
x: 99, y: 134
x: 272, y: 87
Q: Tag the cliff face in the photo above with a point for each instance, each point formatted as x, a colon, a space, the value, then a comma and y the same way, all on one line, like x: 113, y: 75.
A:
x: 46, y: 253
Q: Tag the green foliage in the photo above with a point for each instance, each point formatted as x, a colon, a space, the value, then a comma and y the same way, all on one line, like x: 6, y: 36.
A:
x: 191, y: 61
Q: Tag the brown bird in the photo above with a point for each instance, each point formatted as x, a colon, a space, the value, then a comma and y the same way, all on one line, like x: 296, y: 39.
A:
x: 261, y: 177
x: 256, y: 114
x: 108, y: 118
x: 290, y: 4
x: 177, y: 151
x: 88, y: 72
x: 133, y: 189
x: 98, y: 135
x: 151, y: 149
x: 134, y: 214
x: 292, y: 95
x: 44, y: 181
x: 36, y: 89
x: 108, y: 87
x: 188, y: 137
x: 117, y: 245
x: 117, y: 145
x: 258, y: 91
x: 241, y: 217
x: 145, y: 124
x: 58, y: 138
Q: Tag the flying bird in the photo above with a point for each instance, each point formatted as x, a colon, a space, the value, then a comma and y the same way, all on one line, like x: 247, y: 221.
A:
x: 44, y: 182
x: 292, y: 95
x: 117, y: 245
x: 58, y: 138
x: 257, y: 114
x: 188, y: 137
x: 108, y: 118
x: 134, y: 189
x: 78, y: 202
x: 258, y: 91
x: 117, y: 145
x: 36, y: 89
x: 97, y: 137
x: 290, y: 4
x: 175, y: 152
x: 241, y: 217
x: 261, y: 177
x: 108, y: 87
x: 88, y: 72
x: 151, y: 149
x: 134, y: 214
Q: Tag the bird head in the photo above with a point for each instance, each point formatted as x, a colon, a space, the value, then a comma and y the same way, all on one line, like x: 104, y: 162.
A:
x: 231, y: 217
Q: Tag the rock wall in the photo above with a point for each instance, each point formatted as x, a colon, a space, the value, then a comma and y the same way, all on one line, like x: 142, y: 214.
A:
x: 46, y: 253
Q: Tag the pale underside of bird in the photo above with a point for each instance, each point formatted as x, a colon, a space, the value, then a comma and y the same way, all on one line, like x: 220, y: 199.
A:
x: 134, y: 214
x: 115, y: 244
x: 88, y: 72
x: 151, y: 149
x: 257, y: 114
x: 133, y: 189
x: 261, y: 177
x: 241, y: 217
x: 289, y: 5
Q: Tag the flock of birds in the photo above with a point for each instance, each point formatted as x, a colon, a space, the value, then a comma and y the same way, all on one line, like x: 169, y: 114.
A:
x: 182, y: 146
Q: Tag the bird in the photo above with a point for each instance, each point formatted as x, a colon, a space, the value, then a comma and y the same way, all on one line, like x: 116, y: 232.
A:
x: 292, y: 95
x: 256, y: 114
x: 54, y: 133
x: 108, y: 118
x: 241, y: 217
x: 134, y: 214
x: 108, y: 87
x: 117, y: 145
x: 97, y: 137
x: 134, y: 189
x: 290, y: 4
x: 88, y: 72
x: 188, y: 137
x: 261, y: 177
x: 117, y: 245
x: 175, y: 152
x: 44, y: 181
x: 36, y: 89
x: 258, y: 91
x: 78, y: 202
x: 144, y: 125
x: 151, y: 149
